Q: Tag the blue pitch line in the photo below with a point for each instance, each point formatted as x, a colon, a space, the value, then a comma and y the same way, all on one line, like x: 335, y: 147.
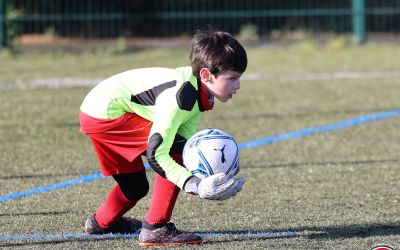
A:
x: 250, y: 234
x: 325, y: 128
x: 58, y: 185
x: 245, y: 145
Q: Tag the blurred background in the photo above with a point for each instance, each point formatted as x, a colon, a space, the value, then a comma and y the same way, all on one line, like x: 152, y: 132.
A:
x: 91, y: 24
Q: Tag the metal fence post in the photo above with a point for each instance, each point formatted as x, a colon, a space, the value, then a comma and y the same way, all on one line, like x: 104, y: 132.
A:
x: 3, y: 24
x: 358, y: 21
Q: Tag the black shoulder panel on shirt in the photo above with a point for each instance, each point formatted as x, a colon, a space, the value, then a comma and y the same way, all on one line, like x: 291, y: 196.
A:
x: 186, y: 96
x: 149, y: 96
x: 154, y: 142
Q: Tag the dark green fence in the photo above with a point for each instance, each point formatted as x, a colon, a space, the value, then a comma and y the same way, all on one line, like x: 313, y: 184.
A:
x: 98, y: 19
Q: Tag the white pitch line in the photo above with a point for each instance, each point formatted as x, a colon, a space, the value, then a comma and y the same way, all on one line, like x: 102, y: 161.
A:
x: 74, y: 82
x: 249, y: 234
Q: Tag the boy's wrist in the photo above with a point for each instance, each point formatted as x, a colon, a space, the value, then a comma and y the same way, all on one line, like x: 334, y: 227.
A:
x: 191, y: 185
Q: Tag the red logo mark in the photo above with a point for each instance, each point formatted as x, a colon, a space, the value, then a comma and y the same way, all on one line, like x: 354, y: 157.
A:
x: 382, y: 247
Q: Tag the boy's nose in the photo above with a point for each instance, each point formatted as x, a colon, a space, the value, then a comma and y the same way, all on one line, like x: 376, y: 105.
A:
x: 237, y: 86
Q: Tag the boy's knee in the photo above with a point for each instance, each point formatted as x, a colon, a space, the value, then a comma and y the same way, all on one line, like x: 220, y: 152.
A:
x: 143, y: 191
x: 134, y: 186
x: 137, y: 192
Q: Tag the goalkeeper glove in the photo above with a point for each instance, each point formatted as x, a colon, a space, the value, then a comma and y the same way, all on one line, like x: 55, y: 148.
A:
x: 214, y: 187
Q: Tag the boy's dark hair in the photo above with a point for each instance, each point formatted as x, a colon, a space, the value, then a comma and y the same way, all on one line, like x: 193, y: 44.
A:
x: 218, y: 51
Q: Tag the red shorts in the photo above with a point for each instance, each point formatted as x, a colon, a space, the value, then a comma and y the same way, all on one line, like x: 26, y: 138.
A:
x: 119, y: 143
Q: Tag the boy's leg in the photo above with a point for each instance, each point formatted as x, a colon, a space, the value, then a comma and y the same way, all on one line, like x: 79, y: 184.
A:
x: 124, y: 196
x: 114, y: 206
x: 156, y: 229
x: 165, y: 192
x: 118, y: 144
x: 163, y: 201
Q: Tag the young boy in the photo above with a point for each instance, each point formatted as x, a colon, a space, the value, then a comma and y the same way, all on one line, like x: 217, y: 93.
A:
x: 153, y: 111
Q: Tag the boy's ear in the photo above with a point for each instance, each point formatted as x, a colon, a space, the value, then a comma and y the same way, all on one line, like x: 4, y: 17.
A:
x: 205, y: 75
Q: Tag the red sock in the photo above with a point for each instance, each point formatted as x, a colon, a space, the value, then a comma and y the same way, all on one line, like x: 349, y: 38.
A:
x: 115, y: 205
x: 164, y: 197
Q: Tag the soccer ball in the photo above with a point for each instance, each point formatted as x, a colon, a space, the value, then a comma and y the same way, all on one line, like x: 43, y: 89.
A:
x: 211, y: 151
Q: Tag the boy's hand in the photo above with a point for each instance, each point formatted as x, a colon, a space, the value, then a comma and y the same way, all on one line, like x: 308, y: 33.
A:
x: 219, y: 187
x: 215, y: 187
x: 191, y: 186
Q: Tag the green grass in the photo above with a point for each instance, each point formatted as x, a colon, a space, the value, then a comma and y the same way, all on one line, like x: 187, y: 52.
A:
x: 268, y: 61
x: 338, y: 190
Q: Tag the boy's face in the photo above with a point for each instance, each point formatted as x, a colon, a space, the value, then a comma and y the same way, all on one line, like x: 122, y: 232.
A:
x: 224, y: 86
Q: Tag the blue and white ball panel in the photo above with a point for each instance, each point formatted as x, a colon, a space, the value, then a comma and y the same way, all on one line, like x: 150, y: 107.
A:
x: 211, y: 151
